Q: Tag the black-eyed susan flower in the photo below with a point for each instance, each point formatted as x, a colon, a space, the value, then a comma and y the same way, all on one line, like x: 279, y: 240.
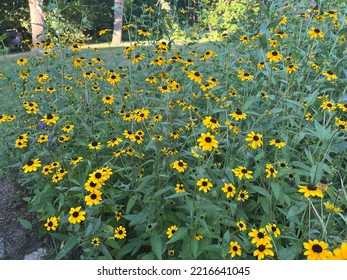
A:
x: 241, y: 225
x: 244, y: 39
x: 22, y: 61
x: 94, y: 145
x: 109, y: 99
x: 42, y: 77
x: 261, y: 65
x: 198, y: 237
x: 332, y: 207
x: 211, y: 123
x: 274, y: 56
x: 94, y: 198
x: 114, y: 79
x: 328, y: 105
x: 229, y: 190
x: 67, y: 128
x: 76, y: 215
x: 207, y: 54
x: 238, y: 115
x: 141, y: 114
x: 339, y: 253
x: 262, y: 250
x: 234, y: 249
x: 277, y: 143
x: 51, y: 223
x: 317, y: 250
x: 255, y: 139
x: 49, y: 119
x: 179, y: 165
x: 120, y: 232
x: 180, y: 188
x: 104, y: 31
x: 241, y: 171
x: 242, y: 195
x: 207, y: 142
x: 310, y: 190
x: 330, y: 75
x: 76, y: 160
x: 342, y: 106
x: 291, y: 68
x: 95, y: 241
x: 315, y: 33
x: 270, y: 171
x: 273, y: 229
x: 47, y: 169
x: 244, y: 76
x: 143, y: 32
x: 151, y: 80
x: 204, y: 185
x: 195, y: 76
x: 32, y: 165
x: 259, y: 236
x: 171, y: 230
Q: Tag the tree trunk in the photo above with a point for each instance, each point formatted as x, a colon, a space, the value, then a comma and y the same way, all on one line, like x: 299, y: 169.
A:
x: 37, y: 20
x: 118, y: 21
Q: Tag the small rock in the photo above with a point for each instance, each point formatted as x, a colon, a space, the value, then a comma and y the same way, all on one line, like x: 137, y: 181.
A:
x: 2, y: 248
x: 38, y: 255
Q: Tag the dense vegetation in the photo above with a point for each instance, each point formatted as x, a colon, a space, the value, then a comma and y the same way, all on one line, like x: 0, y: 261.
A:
x: 231, y: 148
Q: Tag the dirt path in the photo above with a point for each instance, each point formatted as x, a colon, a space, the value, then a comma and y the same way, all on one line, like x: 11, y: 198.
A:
x: 18, y: 241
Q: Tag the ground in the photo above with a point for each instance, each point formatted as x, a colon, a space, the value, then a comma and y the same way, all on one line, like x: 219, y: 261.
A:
x: 18, y: 241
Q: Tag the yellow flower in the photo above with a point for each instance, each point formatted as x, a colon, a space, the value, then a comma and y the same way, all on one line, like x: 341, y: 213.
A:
x: 315, y: 33
x: 317, y: 250
x: 103, y: 31
x: 179, y: 165
x: 235, y: 249
x: 207, y: 142
x: 204, y: 185
x: 22, y: 61
x: 255, y: 138
x: 311, y: 190
x: 76, y: 215
x: 120, y: 232
x: 51, y: 224
x: 329, y: 75
x: 32, y: 165
x: 241, y: 172
x: 229, y: 189
x: 274, y: 56
x: 171, y: 230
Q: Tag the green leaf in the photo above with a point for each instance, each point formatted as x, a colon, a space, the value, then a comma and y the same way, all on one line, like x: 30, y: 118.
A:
x: 156, y: 244
x: 178, y: 235
x: 103, y: 249
x: 68, y: 247
x: 25, y: 223
x: 131, y: 202
x: 261, y: 191
x: 276, y: 190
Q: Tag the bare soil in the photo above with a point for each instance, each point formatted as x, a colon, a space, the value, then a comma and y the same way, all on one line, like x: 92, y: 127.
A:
x: 18, y: 240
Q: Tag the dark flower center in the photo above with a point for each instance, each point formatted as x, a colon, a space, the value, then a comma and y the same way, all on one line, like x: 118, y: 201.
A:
x: 197, y: 74
x: 30, y: 162
x: 98, y: 175
x: 93, y: 196
x: 274, y: 53
x: 208, y: 139
x: 271, y: 170
x: 255, y: 138
x: 94, y: 143
x: 330, y: 72
x: 260, y: 235
x: 173, y: 231
x: 261, y: 248
x: 246, y: 74
x: 235, y: 248
x: 238, y: 112
x: 316, y: 30
x: 311, y: 187
x: 317, y: 248
x: 75, y: 214
x: 230, y: 189
x: 204, y: 183
x: 180, y: 164
x: 120, y: 232
x: 49, y: 116
x: 50, y: 224
x: 244, y: 171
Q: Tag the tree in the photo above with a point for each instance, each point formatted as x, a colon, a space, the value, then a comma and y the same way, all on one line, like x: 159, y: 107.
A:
x: 37, y: 20
x: 118, y: 21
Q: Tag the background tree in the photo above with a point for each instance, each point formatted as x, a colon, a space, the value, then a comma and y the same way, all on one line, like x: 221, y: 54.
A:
x: 37, y: 20
x: 118, y: 21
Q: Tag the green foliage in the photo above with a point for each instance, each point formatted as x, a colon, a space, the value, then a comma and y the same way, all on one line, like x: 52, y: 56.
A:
x: 164, y: 151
